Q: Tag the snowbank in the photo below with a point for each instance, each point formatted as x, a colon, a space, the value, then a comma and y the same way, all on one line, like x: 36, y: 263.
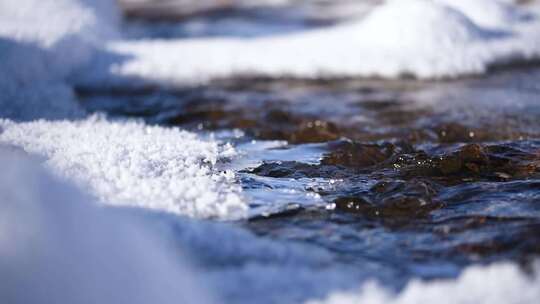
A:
x: 498, y: 283
x: 426, y: 39
x: 129, y: 163
x: 56, y: 246
x: 41, y: 44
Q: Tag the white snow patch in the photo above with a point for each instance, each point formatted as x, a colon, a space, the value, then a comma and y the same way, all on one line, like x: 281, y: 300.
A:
x: 55, y: 37
x: 420, y: 37
x: 502, y: 283
x: 47, y: 23
x: 130, y: 163
x: 41, y: 44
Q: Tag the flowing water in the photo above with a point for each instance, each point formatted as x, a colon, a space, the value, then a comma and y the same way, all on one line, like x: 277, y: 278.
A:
x: 397, y: 179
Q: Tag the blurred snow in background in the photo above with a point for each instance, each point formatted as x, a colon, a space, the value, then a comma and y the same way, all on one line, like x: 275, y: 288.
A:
x: 419, y: 38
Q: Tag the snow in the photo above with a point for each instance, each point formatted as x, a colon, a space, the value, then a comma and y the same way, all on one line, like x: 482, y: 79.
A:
x: 61, y: 34
x: 49, y: 41
x: 502, y: 283
x: 56, y: 246
x: 426, y: 39
x: 54, y: 21
x: 130, y: 163
x: 41, y: 44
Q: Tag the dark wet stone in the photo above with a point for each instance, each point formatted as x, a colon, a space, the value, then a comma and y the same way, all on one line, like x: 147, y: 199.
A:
x: 357, y: 155
x: 292, y: 169
x: 315, y: 131
x: 269, y: 124
x: 477, y: 161
x: 450, y: 165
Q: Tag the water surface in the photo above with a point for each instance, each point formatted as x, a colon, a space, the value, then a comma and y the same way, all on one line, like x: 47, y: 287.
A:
x: 396, y: 179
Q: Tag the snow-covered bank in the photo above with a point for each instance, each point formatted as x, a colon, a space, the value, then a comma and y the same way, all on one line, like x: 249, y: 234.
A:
x: 495, y: 284
x: 129, y: 163
x: 56, y: 246
x: 422, y: 38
